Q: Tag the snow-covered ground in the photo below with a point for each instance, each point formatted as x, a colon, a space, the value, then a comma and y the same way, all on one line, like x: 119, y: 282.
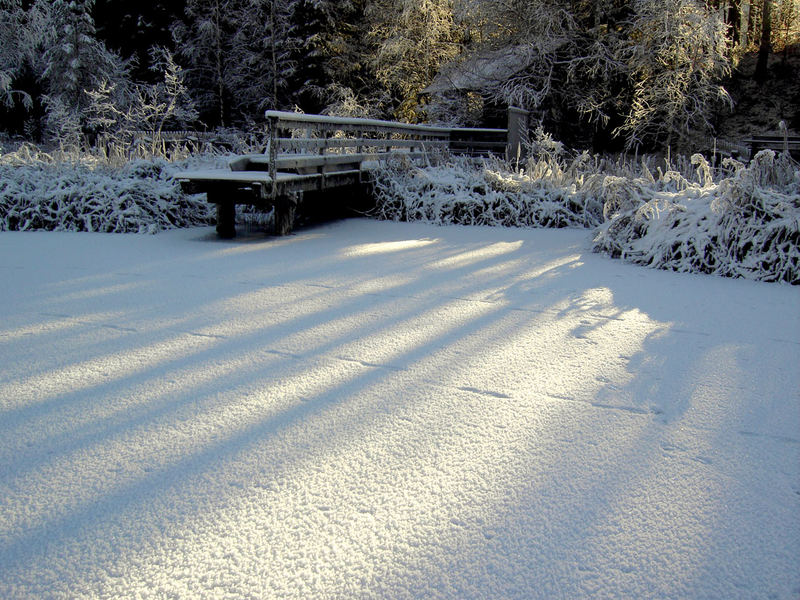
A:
x: 386, y: 410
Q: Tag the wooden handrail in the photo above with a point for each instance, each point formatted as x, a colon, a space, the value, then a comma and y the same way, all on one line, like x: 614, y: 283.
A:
x: 290, y: 120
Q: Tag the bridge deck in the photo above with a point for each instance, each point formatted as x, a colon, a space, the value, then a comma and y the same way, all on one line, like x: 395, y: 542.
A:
x: 256, y: 186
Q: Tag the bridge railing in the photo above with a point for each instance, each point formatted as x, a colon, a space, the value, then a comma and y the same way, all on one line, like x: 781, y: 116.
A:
x: 321, y: 133
x: 370, y: 139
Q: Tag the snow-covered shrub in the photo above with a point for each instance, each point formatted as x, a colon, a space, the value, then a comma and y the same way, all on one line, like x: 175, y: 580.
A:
x: 139, y: 197
x: 465, y: 192
x: 746, y: 225
x: 675, y: 216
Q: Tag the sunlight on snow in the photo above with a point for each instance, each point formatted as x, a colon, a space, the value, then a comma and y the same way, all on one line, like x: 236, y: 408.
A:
x: 386, y: 247
x: 119, y: 288
x: 257, y: 243
x: 57, y: 324
x: 472, y: 256
x: 379, y: 429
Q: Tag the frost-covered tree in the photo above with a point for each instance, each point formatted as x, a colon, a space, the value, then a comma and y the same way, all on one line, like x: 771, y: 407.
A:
x: 677, y: 55
x: 132, y: 28
x: 203, y: 39
x: 145, y: 107
x: 23, y: 31
x: 646, y: 71
x: 263, y: 52
x: 333, y: 56
x: 238, y: 55
x: 414, y: 39
x: 74, y: 59
x: 12, y: 49
x: 74, y: 62
x: 558, y: 58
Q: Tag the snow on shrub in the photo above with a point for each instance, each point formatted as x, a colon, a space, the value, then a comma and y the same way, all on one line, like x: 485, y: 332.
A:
x: 141, y: 196
x: 746, y: 225
x: 461, y: 191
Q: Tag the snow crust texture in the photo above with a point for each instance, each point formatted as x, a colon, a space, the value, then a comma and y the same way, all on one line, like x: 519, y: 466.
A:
x: 391, y: 410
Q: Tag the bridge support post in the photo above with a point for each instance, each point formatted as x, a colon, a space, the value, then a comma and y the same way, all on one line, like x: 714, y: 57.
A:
x: 285, y: 208
x: 226, y: 219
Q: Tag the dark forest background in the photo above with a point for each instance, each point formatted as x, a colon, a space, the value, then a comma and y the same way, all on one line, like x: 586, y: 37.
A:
x: 606, y: 74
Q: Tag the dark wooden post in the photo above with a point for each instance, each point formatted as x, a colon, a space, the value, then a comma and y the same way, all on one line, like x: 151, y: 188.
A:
x: 226, y: 215
x: 285, y: 207
x: 273, y: 155
x: 517, y: 133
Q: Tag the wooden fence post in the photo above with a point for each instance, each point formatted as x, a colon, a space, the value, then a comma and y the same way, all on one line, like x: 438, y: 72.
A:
x: 518, y: 122
x: 273, y: 155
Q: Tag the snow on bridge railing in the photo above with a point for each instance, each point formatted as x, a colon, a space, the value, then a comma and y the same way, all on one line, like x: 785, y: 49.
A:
x: 462, y: 140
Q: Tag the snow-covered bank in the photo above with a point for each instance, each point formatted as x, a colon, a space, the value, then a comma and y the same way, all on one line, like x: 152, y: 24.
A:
x: 742, y: 220
x: 391, y: 410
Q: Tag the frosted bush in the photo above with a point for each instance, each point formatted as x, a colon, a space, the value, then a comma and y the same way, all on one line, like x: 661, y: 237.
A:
x: 139, y: 197
x: 673, y: 216
x: 461, y: 191
x: 746, y: 225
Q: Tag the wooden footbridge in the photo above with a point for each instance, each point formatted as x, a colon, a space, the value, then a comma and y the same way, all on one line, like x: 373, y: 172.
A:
x: 315, y: 153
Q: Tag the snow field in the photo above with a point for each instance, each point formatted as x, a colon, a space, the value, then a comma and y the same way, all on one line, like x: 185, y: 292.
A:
x: 372, y: 409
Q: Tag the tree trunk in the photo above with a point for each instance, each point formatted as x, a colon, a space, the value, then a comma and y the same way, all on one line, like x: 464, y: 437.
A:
x: 744, y: 21
x: 219, y: 64
x: 765, y: 47
x: 274, y: 52
x: 734, y: 20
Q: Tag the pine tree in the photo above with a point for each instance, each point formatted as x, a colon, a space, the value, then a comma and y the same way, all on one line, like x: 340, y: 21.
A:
x: 238, y: 55
x: 262, y: 51
x: 75, y: 60
x: 12, y: 49
x: 203, y: 39
x: 335, y: 59
x: 69, y: 61
x: 23, y: 30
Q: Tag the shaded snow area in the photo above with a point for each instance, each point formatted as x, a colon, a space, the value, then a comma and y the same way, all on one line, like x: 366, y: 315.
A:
x: 391, y: 410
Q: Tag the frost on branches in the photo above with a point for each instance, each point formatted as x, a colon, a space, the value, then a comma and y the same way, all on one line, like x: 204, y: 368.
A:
x: 141, y: 197
x: 746, y: 225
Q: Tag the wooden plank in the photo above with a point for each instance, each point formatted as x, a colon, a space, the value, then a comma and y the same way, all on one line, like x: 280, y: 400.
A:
x: 365, y: 142
x: 289, y: 120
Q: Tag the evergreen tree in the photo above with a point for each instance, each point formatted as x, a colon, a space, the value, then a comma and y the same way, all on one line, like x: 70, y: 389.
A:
x: 22, y: 30
x: 203, y: 39
x: 238, y: 55
x: 263, y: 50
x: 334, y: 53
x: 75, y: 60
x: 12, y: 50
